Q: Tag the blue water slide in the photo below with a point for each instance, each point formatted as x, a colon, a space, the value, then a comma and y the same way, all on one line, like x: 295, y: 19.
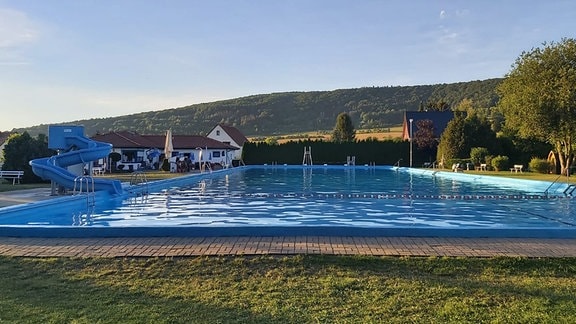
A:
x: 80, y: 150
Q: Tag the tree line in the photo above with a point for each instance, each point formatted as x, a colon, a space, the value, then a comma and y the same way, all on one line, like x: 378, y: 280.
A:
x: 294, y: 112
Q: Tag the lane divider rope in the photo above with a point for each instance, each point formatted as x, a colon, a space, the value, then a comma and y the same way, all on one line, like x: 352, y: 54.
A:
x: 394, y: 196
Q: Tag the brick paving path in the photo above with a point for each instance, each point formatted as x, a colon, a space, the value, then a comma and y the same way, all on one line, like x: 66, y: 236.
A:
x: 214, y: 246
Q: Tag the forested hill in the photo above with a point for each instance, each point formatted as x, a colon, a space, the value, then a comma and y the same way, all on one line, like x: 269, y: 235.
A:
x: 291, y: 112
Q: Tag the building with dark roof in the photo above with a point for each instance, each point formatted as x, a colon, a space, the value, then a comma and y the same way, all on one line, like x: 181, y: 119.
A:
x: 440, y: 120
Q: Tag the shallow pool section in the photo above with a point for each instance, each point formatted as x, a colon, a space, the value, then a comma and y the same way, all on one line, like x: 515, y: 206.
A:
x: 320, y: 200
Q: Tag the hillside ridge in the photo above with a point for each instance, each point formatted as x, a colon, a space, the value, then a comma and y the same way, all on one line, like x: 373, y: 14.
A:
x: 292, y: 112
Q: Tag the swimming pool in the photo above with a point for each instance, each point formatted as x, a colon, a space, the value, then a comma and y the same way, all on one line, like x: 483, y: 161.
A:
x: 319, y: 200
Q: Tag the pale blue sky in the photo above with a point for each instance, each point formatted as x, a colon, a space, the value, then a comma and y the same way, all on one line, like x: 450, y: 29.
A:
x: 66, y: 60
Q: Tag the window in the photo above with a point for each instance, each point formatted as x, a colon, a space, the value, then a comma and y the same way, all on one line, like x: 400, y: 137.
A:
x: 217, y: 133
x: 216, y: 154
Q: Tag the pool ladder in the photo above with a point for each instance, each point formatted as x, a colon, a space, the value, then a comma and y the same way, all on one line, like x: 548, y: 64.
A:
x: 138, y: 179
x: 569, y: 190
x: 84, y: 185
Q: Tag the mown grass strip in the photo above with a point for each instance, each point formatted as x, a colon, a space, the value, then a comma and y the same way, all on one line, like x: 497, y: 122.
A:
x: 292, y: 289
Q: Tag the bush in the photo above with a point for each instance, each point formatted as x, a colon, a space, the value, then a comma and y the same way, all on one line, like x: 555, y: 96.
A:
x: 165, y: 165
x: 540, y: 165
x: 488, y: 161
x: 478, y: 155
x: 500, y: 162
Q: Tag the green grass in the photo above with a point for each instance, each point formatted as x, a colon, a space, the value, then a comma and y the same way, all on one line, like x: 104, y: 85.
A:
x: 150, y: 175
x: 124, y: 176
x: 526, y: 175
x: 5, y: 186
x: 294, y: 289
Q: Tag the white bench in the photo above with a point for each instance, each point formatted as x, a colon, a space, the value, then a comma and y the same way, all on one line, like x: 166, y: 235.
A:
x: 98, y: 170
x: 517, y: 168
x: 482, y: 167
x: 14, y: 175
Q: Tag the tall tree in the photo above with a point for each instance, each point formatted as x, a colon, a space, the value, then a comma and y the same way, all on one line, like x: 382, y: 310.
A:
x: 424, y: 135
x: 437, y: 106
x: 344, y: 130
x: 20, y: 149
x: 452, y: 140
x: 462, y: 134
x: 538, y: 97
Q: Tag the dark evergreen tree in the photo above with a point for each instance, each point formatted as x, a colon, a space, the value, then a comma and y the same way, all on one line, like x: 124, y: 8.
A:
x: 462, y: 134
x: 452, y: 141
x: 344, y: 130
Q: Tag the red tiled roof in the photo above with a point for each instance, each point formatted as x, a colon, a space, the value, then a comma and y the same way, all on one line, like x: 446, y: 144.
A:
x: 132, y: 140
x: 125, y: 139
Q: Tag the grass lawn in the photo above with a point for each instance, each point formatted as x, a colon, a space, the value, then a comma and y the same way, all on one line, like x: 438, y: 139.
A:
x: 150, y: 175
x: 525, y: 175
x: 5, y: 186
x: 292, y: 289
x: 125, y: 177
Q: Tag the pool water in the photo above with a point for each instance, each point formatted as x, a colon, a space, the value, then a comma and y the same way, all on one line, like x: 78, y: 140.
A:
x: 320, y: 198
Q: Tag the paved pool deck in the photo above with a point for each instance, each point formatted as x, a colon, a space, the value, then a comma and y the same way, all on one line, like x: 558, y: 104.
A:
x: 277, y: 245
x: 224, y: 246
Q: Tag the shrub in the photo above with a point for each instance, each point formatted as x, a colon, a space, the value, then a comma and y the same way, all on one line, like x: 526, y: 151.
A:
x: 500, y: 162
x: 540, y: 165
x: 478, y: 155
x: 488, y: 161
x: 165, y: 165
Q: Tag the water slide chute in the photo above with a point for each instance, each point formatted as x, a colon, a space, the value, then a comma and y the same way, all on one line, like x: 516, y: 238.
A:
x: 76, y: 149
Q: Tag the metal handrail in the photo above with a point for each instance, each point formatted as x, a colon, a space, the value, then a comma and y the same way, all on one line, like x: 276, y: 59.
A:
x: 553, y: 182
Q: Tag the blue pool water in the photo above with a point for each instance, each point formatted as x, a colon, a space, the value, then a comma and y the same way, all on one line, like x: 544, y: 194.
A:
x: 288, y: 200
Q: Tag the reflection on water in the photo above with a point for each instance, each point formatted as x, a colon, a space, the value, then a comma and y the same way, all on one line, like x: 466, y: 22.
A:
x: 339, y: 197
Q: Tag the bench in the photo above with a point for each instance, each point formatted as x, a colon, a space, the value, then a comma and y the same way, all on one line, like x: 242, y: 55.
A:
x: 99, y: 170
x: 517, y: 168
x: 482, y: 167
x: 14, y: 175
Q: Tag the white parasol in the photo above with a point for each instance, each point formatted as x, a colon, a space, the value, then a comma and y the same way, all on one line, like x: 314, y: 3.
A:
x: 168, y: 147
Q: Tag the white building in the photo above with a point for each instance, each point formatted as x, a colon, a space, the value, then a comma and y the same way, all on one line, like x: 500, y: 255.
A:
x: 229, y: 135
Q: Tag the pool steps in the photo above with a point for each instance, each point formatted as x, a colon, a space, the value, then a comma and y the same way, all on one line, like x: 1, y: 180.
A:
x: 84, y: 186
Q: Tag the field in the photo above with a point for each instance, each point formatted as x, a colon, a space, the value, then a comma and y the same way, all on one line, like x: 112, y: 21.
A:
x: 361, y: 134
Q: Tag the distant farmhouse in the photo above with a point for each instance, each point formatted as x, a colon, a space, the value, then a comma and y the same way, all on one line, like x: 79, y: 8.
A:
x: 229, y: 135
x: 440, y: 120
x: 222, y: 146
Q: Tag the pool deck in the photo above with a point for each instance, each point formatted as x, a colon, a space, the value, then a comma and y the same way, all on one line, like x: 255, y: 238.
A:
x: 222, y: 246
x: 277, y: 245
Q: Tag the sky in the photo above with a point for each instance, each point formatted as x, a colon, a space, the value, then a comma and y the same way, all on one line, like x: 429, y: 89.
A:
x: 68, y: 60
